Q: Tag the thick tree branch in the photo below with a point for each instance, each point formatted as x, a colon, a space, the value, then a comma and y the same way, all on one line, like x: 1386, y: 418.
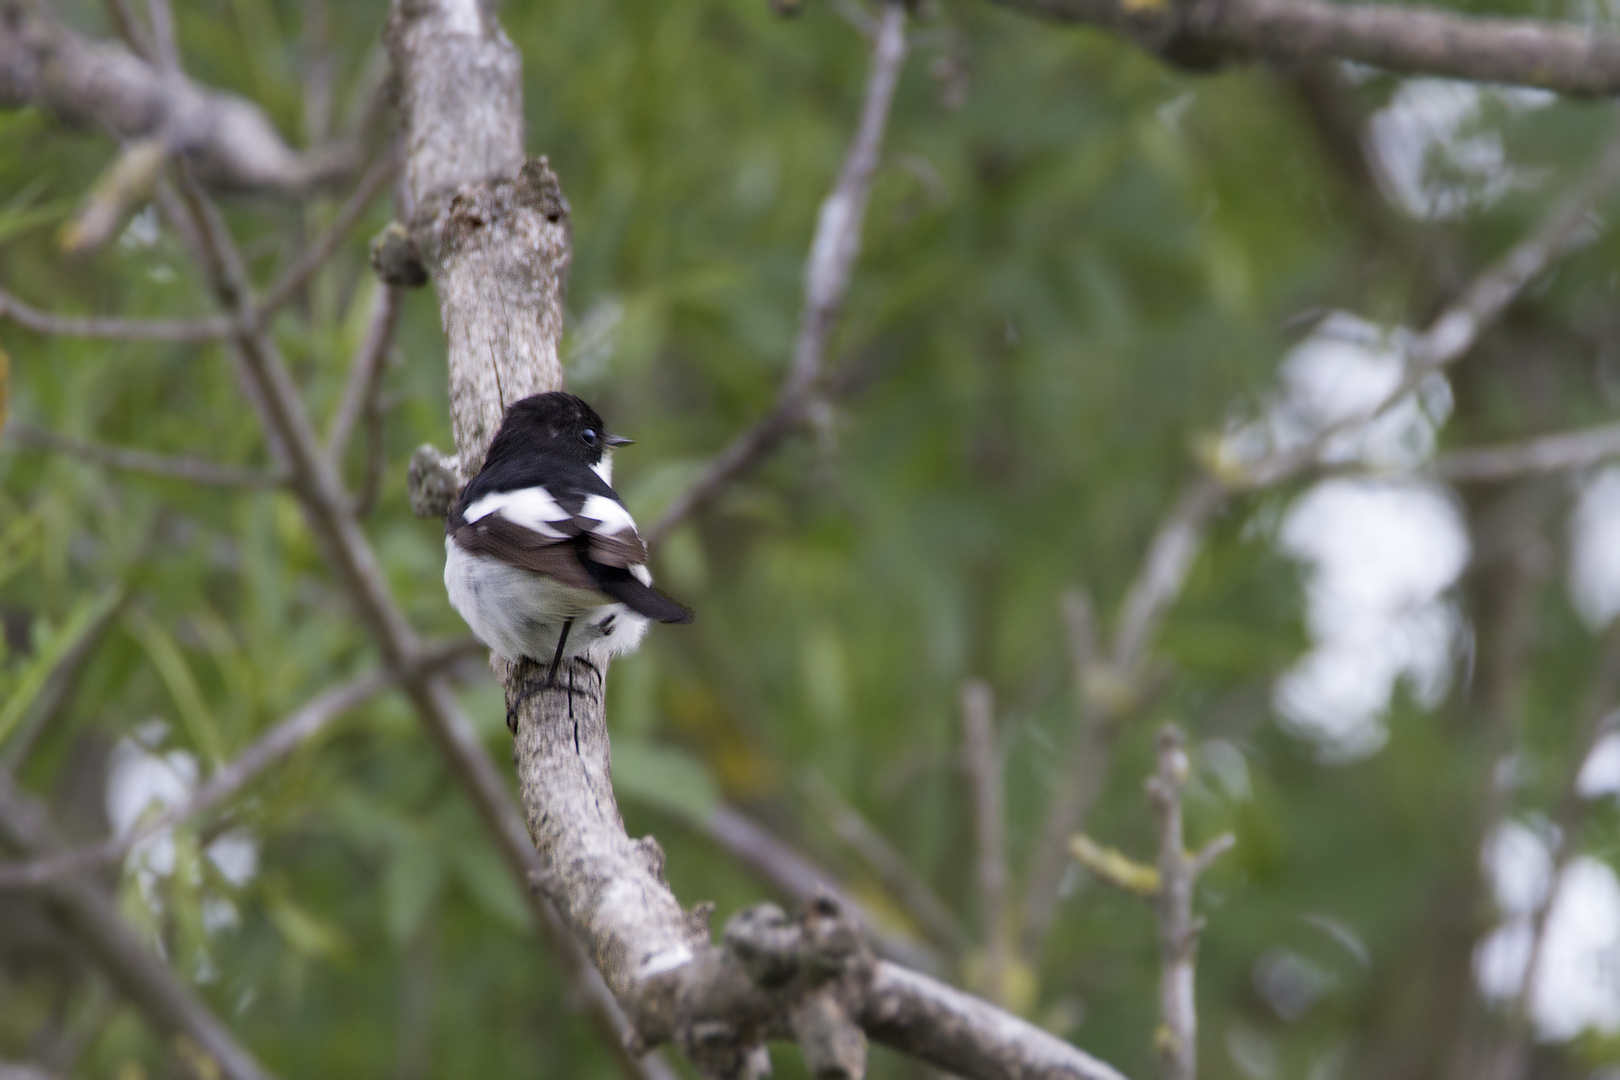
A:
x: 1416, y: 41
x: 833, y: 252
x: 140, y: 975
x: 142, y: 461
x: 498, y: 248
x: 228, y: 141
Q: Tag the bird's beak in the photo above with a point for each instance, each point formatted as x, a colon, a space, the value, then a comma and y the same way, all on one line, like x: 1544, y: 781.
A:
x: 617, y: 440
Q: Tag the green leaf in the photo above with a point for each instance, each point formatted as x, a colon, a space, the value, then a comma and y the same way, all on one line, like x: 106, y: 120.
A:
x: 34, y: 677
x: 188, y: 697
x: 488, y: 880
x: 669, y: 779
x: 413, y: 883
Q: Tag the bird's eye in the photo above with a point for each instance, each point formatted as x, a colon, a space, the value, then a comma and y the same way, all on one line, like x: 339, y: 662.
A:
x: 588, y: 436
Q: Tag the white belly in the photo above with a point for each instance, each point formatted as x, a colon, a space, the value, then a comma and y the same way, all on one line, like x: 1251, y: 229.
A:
x: 519, y: 613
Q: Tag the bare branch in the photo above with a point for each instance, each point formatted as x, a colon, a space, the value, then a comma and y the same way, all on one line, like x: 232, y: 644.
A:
x: 1159, y: 582
x: 229, y: 141
x: 144, y: 980
x: 313, y: 257
x: 794, y: 875
x: 1570, y: 225
x: 1178, y: 930
x: 1205, y: 33
x: 890, y: 865
x: 968, y: 1037
x: 1549, y: 453
x: 117, y: 457
x: 175, y: 330
x: 982, y: 759
x: 365, y: 370
x: 271, y: 747
x: 1110, y: 688
x: 833, y: 252
x: 10, y: 1070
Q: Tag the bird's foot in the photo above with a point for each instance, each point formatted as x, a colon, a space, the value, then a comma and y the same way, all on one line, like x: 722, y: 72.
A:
x: 530, y: 688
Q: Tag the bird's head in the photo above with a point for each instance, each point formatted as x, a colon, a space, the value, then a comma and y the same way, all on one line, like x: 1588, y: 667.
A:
x: 558, y: 424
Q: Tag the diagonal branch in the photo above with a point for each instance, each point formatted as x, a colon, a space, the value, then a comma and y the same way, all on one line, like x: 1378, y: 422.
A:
x: 274, y: 745
x: 140, y: 975
x: 228, y: 140
x: 185, y: 331
x: 982, y: 758
x: 1205, y: 33
x: 833, y: 251
x: 142, y: 461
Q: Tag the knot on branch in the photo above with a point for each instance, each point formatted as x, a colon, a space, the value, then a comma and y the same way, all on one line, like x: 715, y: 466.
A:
x: 772, y: 976
x: 396, y: 258
x: 431, y: 482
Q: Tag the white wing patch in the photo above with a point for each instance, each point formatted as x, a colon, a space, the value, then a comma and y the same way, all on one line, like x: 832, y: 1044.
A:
x: 531, y: 507
x: 613, y: 516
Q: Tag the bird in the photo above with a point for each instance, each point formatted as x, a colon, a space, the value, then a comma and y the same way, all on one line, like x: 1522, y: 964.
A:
x: 542, y: 559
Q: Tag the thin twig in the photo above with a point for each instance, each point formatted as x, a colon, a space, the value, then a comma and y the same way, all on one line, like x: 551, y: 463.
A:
x: 833, y: 252
x: 175, y: 330
x: 1549, y: 453
x: 1110, y: 688
x: 982, y: 759
x: 313, y: 257
x: 194, y: 470
x: 796, y: 877
x: 362, y: 396
x: 275, y: 744
x: 1178, y: 929
x: 1569, y: 226
x: 918, y: 898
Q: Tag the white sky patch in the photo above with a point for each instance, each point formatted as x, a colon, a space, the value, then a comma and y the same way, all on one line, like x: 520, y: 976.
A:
x: 1342, y: 373
x: 1380, y: 554
x: 1600, y: 773
x: 1435, y: 157
x: 144, y: 780
x: 1594, y: 557
x: 1381, y: 557
x: 141, y: 781
x: 1577, y: 980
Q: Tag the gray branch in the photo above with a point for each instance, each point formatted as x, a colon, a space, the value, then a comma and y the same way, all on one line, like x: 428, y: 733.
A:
x: 176, y: 330
x: 230, y: 142
x: 1417, y: 41
x: 833, y: 251
x: 142, y: 461
x: 492, y: 228
x: 982, y: 760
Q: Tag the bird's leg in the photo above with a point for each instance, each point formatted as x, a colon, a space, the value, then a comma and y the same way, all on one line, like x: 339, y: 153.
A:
x: 532, y: 687
x: 556, y: 659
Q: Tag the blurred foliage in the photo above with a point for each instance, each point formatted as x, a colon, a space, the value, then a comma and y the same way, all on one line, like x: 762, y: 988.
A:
x: 1078, y: 262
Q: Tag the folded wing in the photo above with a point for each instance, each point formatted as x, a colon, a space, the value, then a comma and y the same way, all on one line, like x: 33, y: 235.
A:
x: 594, y: 547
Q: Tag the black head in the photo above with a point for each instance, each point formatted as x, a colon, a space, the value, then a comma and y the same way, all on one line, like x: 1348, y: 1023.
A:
x: 556, y: 423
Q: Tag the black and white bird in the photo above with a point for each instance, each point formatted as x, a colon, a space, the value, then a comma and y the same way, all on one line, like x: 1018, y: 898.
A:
x: 541, y: 557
